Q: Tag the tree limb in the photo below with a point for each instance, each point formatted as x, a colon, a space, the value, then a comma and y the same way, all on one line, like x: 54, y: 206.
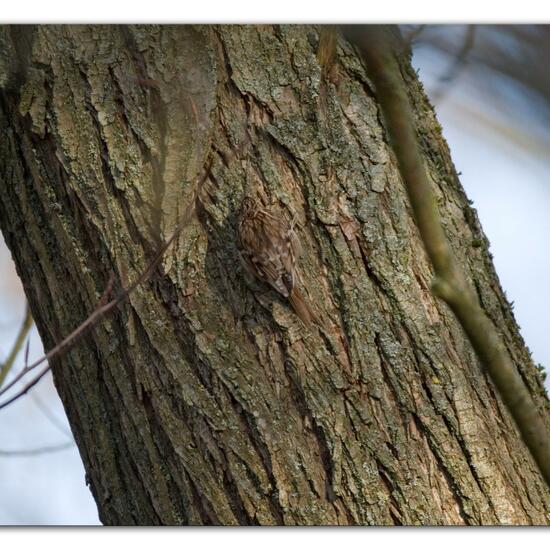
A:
x: 449, y: 283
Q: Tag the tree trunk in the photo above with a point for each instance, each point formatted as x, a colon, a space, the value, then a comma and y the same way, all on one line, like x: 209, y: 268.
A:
x: 203, y: 399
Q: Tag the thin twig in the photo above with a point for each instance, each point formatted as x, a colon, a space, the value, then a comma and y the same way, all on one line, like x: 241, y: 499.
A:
x: 18, y: 344
x: 102, y: 310
x: 449, y: 282
x: 54, y: 421
x: 458, y: 63
x: 414, y: 34
x: 38, y: 451
x: 104, y: 307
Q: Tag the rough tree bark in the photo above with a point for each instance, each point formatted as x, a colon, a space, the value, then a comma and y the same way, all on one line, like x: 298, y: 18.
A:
x: 203, y: 399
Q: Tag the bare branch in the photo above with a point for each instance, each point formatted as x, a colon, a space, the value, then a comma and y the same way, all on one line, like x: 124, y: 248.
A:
x: 38, y: 451
x: 54, y: 421
x: 102, y: 310
x: 18, y: 344
x: 105, y: 307
x: 410, y: 37
x: 449, y: 283
x: 458, y: 63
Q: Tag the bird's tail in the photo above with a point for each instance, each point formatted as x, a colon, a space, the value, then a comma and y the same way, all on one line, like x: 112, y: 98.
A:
x: 300, y: 307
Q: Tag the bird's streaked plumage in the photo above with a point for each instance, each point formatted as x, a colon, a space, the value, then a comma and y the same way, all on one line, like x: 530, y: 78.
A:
x: 269, y: 249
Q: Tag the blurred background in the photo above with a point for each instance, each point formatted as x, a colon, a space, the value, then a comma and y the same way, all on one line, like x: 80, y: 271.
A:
x: 491, y: 89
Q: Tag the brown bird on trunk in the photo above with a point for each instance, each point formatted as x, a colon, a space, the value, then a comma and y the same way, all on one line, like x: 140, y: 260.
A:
x: 269, y: 250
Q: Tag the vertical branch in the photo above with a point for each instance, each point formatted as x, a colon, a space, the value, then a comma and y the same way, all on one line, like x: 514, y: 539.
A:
x: 449, y: 283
